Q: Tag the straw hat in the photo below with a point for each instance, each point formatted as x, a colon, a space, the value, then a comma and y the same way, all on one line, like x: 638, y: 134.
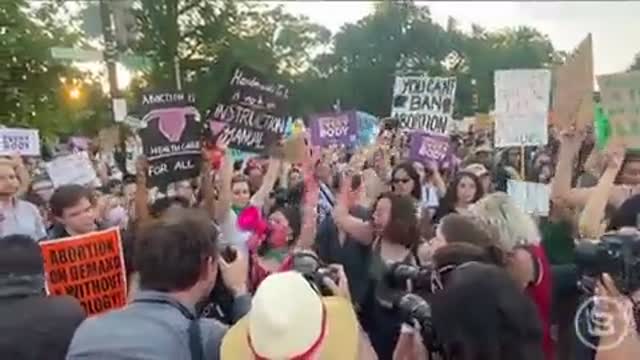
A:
x: 289, y: 320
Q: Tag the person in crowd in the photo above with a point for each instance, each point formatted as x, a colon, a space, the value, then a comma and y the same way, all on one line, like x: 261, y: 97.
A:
x: 289, y: 319
x: 235, y: 196
x: 17, y: 216
x: 288, y: 229
x: 433, y: 186
x: 626, y: 183
x: 73, y: 209
x: 626, y: 321
x: 33, y: 326
x: 392, y: 236
x: 507, y: 168
x: 335, y: 246
x: 405, y: 180
x: 526, y: 260
x: 501, y: 325
x: 178, y: 262
x: 480, y: 171
x: 455, y: 229
x: 464, y: 190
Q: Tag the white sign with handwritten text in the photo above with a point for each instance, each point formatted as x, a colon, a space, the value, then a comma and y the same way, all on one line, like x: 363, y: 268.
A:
x: 25, y: 142
x: 522, y: 106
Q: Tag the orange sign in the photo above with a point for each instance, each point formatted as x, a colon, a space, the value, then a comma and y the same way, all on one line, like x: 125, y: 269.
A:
x: 88, y: 267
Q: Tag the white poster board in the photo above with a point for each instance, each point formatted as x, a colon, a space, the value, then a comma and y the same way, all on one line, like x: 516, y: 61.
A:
x: 533, y: 198
x: 522, y: 107
x: 25, y: 142
x: 424, y: 103
x: 71, y: 169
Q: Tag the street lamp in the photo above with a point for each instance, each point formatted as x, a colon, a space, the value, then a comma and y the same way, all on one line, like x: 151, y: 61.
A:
x: 74, y: 93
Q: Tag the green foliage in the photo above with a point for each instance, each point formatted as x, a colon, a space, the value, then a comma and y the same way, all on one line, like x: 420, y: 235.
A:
x: 31, y: 93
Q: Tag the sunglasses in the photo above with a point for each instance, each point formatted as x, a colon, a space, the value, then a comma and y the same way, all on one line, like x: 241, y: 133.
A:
x: 404, y: 181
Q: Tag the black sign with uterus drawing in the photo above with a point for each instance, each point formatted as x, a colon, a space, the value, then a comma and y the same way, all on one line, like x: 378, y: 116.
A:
x: 171, y: 138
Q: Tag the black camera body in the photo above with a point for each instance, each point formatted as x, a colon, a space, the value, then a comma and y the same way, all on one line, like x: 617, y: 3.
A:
x: 311, y: 267
x: 420, y: 276
x: 615, y: 254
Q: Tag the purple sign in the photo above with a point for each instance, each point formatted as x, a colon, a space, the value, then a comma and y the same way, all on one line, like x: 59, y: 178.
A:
x: 428, y: 147
x: 334, y: 128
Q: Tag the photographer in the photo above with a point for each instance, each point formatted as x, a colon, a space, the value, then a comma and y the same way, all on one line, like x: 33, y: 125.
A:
x: 290, y: 319
x: 178, y: 261
x: 626, y: 321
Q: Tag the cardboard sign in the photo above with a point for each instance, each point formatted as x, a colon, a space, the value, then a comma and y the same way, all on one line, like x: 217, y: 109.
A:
x: 171, y: 138
x: 254, y: 111
x: 25, y: 142
x: 483, y: 122
x: 532, y: 198
x: 522, y: 106
x: 426, y: 147
x: 424, y: 103
x: 573, y: 95
x: 88, y: 267
x: 620, y: 97
x: 75, y: 168
x: 333, y: 128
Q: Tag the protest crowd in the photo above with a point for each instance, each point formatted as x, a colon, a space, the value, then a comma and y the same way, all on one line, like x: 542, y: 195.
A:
x: 246, y: 234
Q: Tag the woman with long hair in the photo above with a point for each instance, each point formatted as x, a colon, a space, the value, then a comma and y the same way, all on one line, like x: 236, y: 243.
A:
x: 392, y: 236
x: 526, y: 259
x: 235, y: 196
x: 463, y: 191
x: 405, y: 180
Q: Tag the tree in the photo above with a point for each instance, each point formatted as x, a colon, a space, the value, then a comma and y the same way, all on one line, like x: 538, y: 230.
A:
x: 31, y: 93
x: 636, y: 63
x: 366, y: 56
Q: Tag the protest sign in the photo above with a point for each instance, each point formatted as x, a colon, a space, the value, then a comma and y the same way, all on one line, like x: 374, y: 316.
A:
x: 71, y: 169
x: 620, y: 96
x: 522, y: 106
x: 532, y: 198
x: 25, y: 142
x: 333, y: 128
x: 88, y: 267
x: 425, y: 147
x: 171, y: 137
x: 424, y: 103
x: 254, y: 111
x: 573, y: 95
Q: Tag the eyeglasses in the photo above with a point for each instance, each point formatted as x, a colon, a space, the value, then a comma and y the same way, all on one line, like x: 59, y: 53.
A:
x: 404, y: 181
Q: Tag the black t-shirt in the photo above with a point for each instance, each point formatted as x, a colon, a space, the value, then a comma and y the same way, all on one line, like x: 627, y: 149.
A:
x: 352, y: 255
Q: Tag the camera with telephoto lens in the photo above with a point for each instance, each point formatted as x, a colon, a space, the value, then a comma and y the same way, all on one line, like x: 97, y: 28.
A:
x: 413, y: 308
x: 420, y: 276
x: 311, y: 267
x: 615, y: 254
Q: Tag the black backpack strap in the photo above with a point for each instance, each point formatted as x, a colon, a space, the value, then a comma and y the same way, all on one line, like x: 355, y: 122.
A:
x: 195, y: 338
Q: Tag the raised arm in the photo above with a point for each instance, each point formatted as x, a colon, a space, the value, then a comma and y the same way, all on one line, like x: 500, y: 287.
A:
x: 561, y: 191
x: 268, y: 182
x: 309, y: 227
x: 224, y: 199
x: 590, y: 224
x: 358, y: 229
x: 438, y: 182
x: 141, y: 199
x: 206, y: 185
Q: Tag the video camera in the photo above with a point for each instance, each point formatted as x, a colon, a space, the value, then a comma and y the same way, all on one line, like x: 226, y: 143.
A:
x: 311, y: 267
x: 615, y: 254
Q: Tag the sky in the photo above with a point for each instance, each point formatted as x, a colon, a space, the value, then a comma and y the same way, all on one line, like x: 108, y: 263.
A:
x: 614, y: 24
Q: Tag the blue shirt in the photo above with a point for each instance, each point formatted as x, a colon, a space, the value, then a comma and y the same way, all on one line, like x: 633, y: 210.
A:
x: 22, y: 218
x: 149, y: 331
